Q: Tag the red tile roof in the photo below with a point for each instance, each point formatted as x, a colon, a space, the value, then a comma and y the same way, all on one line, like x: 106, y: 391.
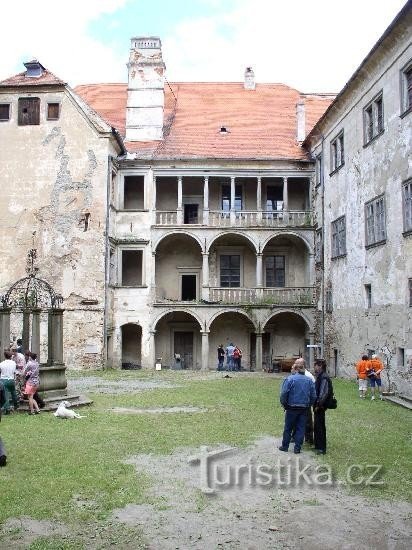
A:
x: 46, y: 79
x: 261, y: 123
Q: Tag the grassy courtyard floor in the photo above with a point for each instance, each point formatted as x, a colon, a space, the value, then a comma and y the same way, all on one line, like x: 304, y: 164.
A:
x: 74, y: 471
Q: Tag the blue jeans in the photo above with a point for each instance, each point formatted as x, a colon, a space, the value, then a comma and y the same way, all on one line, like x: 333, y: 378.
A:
x: 10, y: 387
x: 295, y: 419
x: 220, y: 364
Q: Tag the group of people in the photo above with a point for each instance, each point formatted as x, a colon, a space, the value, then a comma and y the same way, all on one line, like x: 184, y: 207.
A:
x: 369, y: 372
x: 233, y: 356
x: 19, y: 376
x: 299, y: 393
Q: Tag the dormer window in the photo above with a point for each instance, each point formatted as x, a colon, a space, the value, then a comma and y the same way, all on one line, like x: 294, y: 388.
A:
x: 29, y: 111
x: 224, y: 130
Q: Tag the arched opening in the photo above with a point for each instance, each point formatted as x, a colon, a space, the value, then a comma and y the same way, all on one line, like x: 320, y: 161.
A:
x: 232, y: 268
x: 231, y: 327
x: 131, y: 346
x: 178, y: 269
x: 286, y: 263
x: 286, y: 338
x: 178, y: 341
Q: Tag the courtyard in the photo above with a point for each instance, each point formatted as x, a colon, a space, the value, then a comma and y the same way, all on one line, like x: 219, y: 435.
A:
x: 128, y: 475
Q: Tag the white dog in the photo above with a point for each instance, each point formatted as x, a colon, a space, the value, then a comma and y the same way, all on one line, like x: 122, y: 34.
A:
x: 64, y: 412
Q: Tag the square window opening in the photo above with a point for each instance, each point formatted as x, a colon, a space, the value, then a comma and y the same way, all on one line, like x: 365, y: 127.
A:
x: 133, y: 193
x: 132, y: 267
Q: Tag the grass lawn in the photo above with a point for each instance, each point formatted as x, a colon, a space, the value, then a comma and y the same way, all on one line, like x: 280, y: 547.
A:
x: 73, y: 471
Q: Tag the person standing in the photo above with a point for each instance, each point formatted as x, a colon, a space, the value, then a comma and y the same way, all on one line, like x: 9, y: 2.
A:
x: 237, y: 358
x: 220, y: 357
x: 297, y: 396
x: 376, y: 365
x: 324, y: 391
x: 20, y: 361
x: 362, y: 368
x: 31, y: 373
x: 7, y: 376
x: 300, y: 362
x: 229, y: 356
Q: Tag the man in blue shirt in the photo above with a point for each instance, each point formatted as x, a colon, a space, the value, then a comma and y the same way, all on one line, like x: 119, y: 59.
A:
x: 297, y: 396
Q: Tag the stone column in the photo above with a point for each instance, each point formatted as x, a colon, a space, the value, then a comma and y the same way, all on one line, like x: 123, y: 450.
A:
x: 259, y: 199
x: 154, y: 209
x: 259, y: 364
x: 205, y: 276
x: 35, y: 333
x: 179, y: 200
x: 152, y: 350
x: 205, y: 350
x: 259, y: 272
x: 4, y: 330
x: 153, y: 276
x: 55, y: 337
x: 285, y: 194
x: 26, y: 329
x: 206, y: 201
x: 311, y: 269
x: 232, y: 200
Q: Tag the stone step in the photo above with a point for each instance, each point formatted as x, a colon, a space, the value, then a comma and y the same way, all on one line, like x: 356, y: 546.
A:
x: 399, y: 401
x: 53, y: 402
x: 405, y: 398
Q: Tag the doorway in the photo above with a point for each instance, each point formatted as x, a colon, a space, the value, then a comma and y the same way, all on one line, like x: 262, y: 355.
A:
x: 183, y: 345
x: 131, y: 346
x: 189, y: 288
x: 191, y: 213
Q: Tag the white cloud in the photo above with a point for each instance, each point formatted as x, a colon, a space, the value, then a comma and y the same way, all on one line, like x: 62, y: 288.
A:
x: 57, y: 34
x: 313, y: 46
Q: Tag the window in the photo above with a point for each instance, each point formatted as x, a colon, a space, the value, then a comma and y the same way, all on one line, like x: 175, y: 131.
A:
x: 53, y: 111
x: 133, y: 197
x: 328, y: 301
x: 368, y: 296
x: 406, y: 88
x: 337, y: 153
x: 375, y: 221
x: 339, y: 237
x: 275, y: 271
x: 401, y: 357
x: 29, y: 111
x: 132, y: 267
x: 230, y: 270
x: 226, y: 197
x: 274, y: 198
x: 4, y: 112
x: 319, y: 246
x: 407, y: 206
x: 319, y: 170
x: 373, y: 119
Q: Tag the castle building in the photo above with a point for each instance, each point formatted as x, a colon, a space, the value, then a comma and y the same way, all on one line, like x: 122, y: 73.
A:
x: 174, y: 217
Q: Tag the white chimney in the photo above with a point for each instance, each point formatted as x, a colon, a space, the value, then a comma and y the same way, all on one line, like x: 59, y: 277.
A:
x: 249, y: 83
x: 300, y: 122
x: 145, y: 92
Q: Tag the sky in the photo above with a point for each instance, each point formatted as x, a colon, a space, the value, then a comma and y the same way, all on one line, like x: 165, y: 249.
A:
x: 312, y: 46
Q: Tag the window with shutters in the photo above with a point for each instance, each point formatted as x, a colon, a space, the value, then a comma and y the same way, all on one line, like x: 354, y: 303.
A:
x: 375, y: 221
x: 29, y: 111
x: 339, y: 237
x: 373, y: 119
x: 53, y: 111
x: 407, y: 206
x: 275, y: 271
x: 337, y: 153
x: 4, y: 112
x: 406, y: 88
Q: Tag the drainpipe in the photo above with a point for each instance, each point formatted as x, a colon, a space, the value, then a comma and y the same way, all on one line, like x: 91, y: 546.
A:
x: 322, y: 180
x: 107, y: 256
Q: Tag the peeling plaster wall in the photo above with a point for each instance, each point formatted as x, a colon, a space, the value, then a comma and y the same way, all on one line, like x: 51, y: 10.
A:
x: 52, y: 174
x: 369, y: 171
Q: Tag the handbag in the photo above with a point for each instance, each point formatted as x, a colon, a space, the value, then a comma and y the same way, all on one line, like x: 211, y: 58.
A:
x: 332, y: 403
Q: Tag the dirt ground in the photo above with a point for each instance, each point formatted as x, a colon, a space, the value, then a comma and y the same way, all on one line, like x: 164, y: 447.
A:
x: 243, y: 514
